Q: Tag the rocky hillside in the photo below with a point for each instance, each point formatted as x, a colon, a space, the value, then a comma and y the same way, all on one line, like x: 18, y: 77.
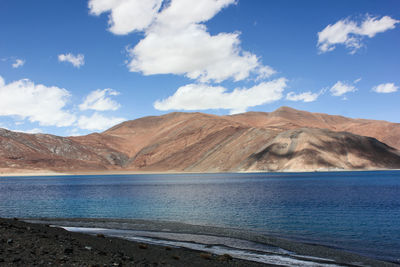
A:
x: 310, y: 149
x: 48, y: 152
x: 286, y: 118
x: 286, y: 139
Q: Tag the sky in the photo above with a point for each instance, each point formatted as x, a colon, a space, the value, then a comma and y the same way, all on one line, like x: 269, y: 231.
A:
x: 77, y: 67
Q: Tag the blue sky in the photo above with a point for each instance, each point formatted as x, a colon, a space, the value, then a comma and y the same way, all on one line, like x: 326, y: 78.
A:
x: 74, y: 67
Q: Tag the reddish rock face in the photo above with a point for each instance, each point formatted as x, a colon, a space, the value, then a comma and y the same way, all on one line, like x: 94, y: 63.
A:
x: 48, y: 152
x: 286, y: 118
x: 286, y: 139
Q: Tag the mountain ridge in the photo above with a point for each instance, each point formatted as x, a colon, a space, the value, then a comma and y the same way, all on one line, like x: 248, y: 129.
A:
x: 283, y: 140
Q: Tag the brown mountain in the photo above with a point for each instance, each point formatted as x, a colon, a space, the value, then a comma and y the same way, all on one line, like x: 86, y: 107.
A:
x: 288, y: 118
x: 49, y: 152
x: 286, y: 139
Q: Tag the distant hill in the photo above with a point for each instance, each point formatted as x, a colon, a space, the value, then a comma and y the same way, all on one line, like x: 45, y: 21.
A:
x: 286, y: 139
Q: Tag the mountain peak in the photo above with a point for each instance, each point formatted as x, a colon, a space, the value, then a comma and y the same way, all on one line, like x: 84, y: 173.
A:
x: 286, y: 109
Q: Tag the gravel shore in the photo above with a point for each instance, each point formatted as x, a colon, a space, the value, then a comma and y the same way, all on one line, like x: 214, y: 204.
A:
x: 36, y: 243
x: 27, y: 244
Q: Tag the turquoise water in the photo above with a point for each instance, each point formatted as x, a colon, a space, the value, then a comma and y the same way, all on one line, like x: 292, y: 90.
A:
x: 355, y: 211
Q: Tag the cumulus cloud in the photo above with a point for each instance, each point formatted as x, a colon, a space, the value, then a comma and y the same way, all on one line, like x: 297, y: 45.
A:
x: 203, y: 96
x: 217, y: 58
x: 173, y: 33
x: 36, y: 102
x: 350, y: 33
x: 76, y: 60
x: 341, y: 88
x: 126, y: 15
x: 385, y: 88
x: 100, y: 100
x: 98, y: 122
x: 305, y: 97
x: 18, y: 63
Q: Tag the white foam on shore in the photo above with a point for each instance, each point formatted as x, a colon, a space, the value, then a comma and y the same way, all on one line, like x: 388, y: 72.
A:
x: 237, y: 248
x: 83, y: 229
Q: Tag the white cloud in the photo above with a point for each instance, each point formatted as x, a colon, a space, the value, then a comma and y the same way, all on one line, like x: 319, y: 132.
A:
x: 76, y: 60
x: 350, y: 33
x: 357, y: 80
x: 18, y: 63
x: 100, y: 100
x: 98, y: 122
x: 203, y: 96
x: 341, y: 88
x: 181, y: 13
x: 385, y: 88
x: 217, y: 58
x: 126, y: 15
x: 36, y: 102
x: 173, y: 35
x: 305, y: 97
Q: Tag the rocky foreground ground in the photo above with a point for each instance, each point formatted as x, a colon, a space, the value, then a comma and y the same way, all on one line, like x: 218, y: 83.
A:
x: 26, y: 244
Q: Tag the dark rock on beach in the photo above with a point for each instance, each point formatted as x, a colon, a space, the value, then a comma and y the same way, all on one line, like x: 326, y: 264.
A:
x: 26, y: 244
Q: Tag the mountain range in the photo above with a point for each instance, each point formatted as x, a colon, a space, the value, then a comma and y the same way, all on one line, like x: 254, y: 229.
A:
x: 283, y: 140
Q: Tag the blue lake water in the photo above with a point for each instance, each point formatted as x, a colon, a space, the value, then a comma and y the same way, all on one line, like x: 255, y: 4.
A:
x: 355, y: 211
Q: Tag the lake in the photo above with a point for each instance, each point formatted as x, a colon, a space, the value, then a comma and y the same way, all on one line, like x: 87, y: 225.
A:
x: 354, y: 211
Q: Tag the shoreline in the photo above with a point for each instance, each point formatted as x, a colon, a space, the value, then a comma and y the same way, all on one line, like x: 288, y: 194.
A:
x: 30, y: 173
x: 29, y: 244
x: 297, y: 250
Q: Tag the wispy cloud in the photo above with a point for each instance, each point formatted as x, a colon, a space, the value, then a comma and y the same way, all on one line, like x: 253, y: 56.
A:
x: 340, y: 88
x: 305, y: 96
x: 76, y: 60
x: 350, y: 33
x: 203, y: 96
x: 18, y: 63
x: 385, y: 88
x: 100, y: 100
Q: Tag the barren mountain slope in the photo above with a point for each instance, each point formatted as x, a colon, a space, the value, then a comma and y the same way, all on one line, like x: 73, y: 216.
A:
x: 286, y: 118
x: 49, y: 152
x: 223, y: 147
x: 310, y: 149
x: 173, y: 131
x: 285, y: 139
